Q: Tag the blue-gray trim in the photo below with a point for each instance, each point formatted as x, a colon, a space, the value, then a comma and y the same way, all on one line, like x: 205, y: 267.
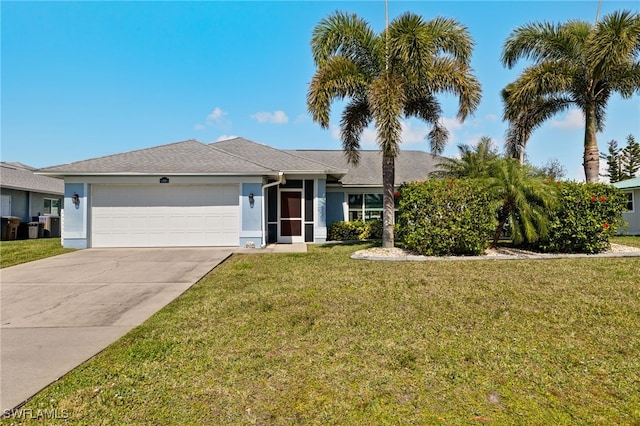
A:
x: 251, y: 213
x: 335, y: 211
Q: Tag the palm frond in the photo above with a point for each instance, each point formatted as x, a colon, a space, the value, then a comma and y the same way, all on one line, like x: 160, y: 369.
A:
x: 446, y: 75
x: 438, y: 137
x: 386, y: 100
x: 336, y: 79
x: 615, y: 40
x: 625, y: 79
x: 355, y: 118
x: 345, y: 34
x: 547, y: 78
x: 544, y: 41
x: 524, y: 119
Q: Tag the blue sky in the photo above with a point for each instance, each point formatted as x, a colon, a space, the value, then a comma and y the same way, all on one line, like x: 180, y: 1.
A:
x: 86, y: 79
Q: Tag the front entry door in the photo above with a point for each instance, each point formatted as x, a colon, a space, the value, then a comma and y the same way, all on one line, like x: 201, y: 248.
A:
x: 291, y: 220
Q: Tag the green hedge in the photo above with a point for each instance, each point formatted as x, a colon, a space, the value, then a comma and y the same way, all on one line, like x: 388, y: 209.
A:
x: 586, y: 217
x: 356, y: 230
x: 446, y: 217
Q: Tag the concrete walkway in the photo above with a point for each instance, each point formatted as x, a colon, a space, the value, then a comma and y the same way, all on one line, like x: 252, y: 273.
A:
x: 58, y: 312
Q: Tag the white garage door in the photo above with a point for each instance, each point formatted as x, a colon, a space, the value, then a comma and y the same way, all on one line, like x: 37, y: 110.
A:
x: 164, y: 215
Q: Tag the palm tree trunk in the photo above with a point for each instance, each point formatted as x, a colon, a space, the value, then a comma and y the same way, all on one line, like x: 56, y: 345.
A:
x: 388, y: 178
x: 591, y: 162
x: 502, y: 220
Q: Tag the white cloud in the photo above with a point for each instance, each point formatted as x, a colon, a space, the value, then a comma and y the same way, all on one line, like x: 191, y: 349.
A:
x: 411, y: 134
x: 573, y: 120
x: 225, y: 137
x: 369, y: 138
x: 216, y: 116
x: 491, y: 117
x: 452, y: 125
x: 276, y: 117
x: 302, y: 118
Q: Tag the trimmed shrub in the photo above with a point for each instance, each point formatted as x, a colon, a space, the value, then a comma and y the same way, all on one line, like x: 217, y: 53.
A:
x: 356, y: 230
x: 586, y: 216
x: 446, y: 217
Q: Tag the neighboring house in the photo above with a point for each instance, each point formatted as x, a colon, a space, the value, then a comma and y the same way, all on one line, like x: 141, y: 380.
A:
x: 25, y: 194
x: 229, y: 193
x: 632, y: 216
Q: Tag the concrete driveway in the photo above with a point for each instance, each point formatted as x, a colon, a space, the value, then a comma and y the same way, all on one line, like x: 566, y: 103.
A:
x: 58, y: 312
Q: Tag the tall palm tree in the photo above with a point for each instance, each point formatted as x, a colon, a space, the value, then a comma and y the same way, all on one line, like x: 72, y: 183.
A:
x: 386, y: 77
x: 575, y: 63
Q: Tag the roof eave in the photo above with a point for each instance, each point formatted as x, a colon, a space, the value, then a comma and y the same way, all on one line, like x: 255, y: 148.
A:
x: 62, y: 174
x: 24, y: 188
x: 335, y: 173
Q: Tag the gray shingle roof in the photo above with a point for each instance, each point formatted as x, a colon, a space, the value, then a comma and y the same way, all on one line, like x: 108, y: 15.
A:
x: 21, y: 177
x: 188, y: 157
x: 241, y: 156
x: 285, y: 161
x: 410, y: 165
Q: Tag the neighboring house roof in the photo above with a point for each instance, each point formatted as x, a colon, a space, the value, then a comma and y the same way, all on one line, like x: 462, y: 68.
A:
x: 628, y: 184
x: 410, y: 166
x: 21, y: 177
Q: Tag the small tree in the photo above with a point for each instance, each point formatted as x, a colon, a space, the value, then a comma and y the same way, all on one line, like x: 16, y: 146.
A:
x: 614, y: 168
x: 474, y: 162
x: 630, y: 159
x: 553, y: 170
x: 525, y: 198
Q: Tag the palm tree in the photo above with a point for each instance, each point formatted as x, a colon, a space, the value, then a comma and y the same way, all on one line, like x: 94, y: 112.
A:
x: 474, y: 162
x: 524, y: 200
x: 386, y: 77
x: 575, y: 63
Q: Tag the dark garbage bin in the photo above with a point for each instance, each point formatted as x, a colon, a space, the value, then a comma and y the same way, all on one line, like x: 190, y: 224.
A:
x: 51, y: 226
x: 10, y: 226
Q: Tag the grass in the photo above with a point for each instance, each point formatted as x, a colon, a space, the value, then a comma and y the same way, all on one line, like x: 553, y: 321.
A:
x: 22, y: 251
x: 627, y: 240
x: 319, y: 338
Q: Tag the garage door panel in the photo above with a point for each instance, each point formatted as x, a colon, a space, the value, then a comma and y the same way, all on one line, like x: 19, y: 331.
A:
x: 159, y: 216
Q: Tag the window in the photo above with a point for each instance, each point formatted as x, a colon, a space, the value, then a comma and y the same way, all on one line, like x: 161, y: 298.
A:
x: 630, y: 201
x: 51, y: 206
x: 365, y: 207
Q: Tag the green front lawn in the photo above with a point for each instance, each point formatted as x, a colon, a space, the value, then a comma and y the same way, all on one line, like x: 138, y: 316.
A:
x: 627, y: 240
x: 319, y: 338
x: 22, y: 251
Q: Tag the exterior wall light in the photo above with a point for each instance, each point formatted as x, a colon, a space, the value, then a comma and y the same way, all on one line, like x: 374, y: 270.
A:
x: 251, y: 199
x: 75, y: 199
